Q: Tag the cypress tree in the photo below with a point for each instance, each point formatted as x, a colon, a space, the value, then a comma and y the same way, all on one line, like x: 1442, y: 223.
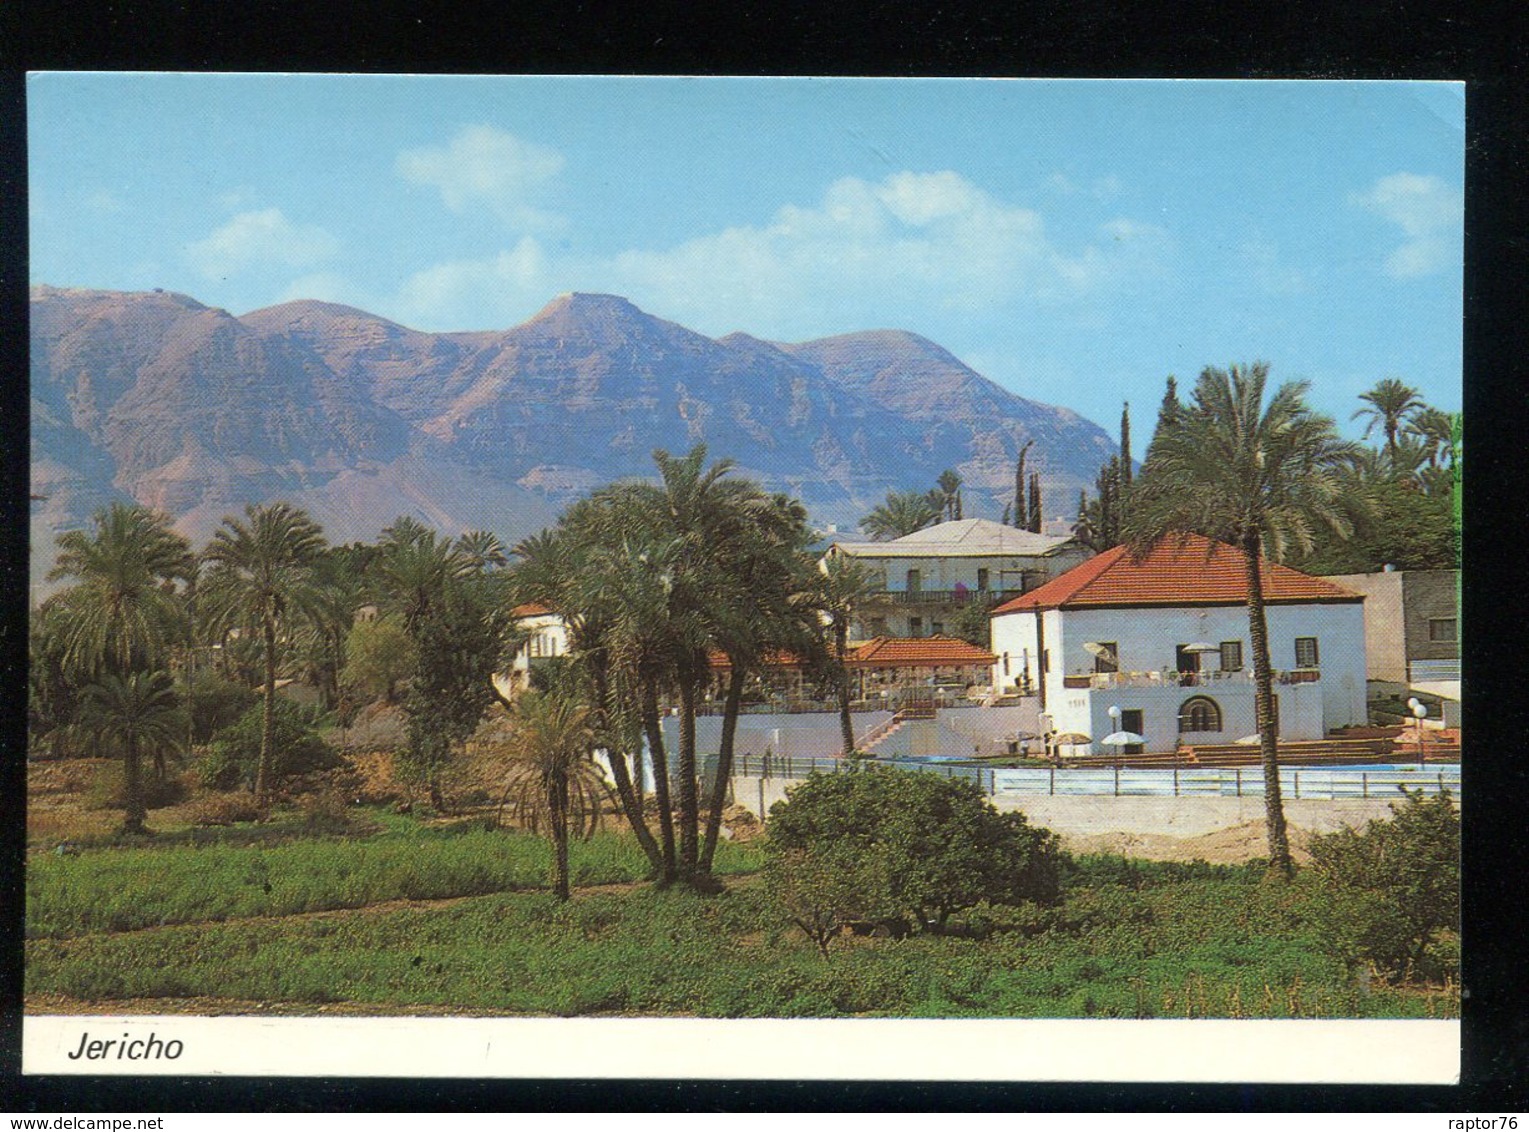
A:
x: 1020, y: 513
x: 1125, y: 444
x: 1035, y: 502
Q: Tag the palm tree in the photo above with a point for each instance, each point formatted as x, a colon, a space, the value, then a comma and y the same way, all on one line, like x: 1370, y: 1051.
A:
x: 260, y: 578
x: 481, y: 550
x: 1260, y: 477
x: 1435, y: 430
x: 123, y: 615
x: 950, y: 492
x: 845, y: 583
x: 1388, y: 405
x: 553, y: 780
x: 135, y: 715
x: 902, y: 513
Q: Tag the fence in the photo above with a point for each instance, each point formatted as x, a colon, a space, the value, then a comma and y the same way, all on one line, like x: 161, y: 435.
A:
x: 1318, y: 783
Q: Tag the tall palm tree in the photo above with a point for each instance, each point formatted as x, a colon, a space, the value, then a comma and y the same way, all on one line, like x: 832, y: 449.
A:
x: 481, y: 550
x: 260, y: 579
x: 1261, y: 475
x: 902, y: 513
x: 122, y: 615
x: 553, y: 779
x: 1435, y: 430
x: 845, y: 583
x: 134, y: 715
x: 950, y: 492
x: 1388, y: 405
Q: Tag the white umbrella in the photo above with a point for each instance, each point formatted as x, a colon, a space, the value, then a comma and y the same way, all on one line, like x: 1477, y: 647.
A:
x: 1094, y: 648
x: 1250, y: 740
x: 1070, y: 739
x: 1202, y: 646
x: 1121, y: 738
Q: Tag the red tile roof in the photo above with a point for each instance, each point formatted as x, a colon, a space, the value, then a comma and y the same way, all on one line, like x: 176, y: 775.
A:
x: 893, y: 652
x: 1189, y: 571
x: 919, y: 652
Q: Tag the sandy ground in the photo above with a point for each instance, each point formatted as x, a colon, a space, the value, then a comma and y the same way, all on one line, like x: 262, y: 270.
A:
x: 1222, y: 847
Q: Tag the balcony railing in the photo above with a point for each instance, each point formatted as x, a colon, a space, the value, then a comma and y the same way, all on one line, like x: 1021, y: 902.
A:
x: 1171, y: 679
x: 939, y: 597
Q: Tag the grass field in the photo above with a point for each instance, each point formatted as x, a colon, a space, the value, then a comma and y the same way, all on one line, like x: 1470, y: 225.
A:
x: 417, y: 916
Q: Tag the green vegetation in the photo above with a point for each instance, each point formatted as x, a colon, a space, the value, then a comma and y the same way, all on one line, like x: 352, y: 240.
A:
x: 1161, y: 942
x: 902, y: 848
x: 232, y: 758
x: 105, y: 890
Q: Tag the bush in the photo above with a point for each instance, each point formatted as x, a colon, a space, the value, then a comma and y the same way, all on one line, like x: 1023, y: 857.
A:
x: 105, y: 790
x: 226, y: 809
x: 215, y: 704
x: 904, y: 845
x: 1386, y: 893
x: 234, y: 753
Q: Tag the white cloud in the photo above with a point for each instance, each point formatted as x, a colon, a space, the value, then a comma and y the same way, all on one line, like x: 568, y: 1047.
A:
x: 930, y: 239
x: 1429, y: 213
x: 326, y: 286
x: 260, y: 239
x: 1261, y: 262
x: 488, y: 288
x: 484, y: 166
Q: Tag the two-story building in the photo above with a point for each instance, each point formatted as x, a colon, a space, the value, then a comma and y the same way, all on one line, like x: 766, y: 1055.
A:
x: 546, y: 637
x: 923, y: 580
x: 1165, y: 640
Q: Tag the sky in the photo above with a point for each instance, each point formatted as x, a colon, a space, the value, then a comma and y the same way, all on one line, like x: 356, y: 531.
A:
x: 1074, y: 241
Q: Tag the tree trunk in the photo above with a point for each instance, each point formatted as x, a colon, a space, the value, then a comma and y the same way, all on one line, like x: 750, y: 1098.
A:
x: 690, y: 802
x: 268, y: 723
x: 1280, y: 863
x: 846, y: 723
x: 730, y: 708
x: 630, y: 796
x: 557, y: 813
x: 660, y: 775
x: 134, y: 811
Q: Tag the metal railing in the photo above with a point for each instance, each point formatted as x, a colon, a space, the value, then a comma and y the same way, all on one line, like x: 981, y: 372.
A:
x: 1171, y: 679
x: 938, y: 597
x: 1314, y: 783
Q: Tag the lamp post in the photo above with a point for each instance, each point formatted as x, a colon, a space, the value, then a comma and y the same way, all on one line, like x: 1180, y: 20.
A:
x: 1419, y: 713
x: 1114, y: 714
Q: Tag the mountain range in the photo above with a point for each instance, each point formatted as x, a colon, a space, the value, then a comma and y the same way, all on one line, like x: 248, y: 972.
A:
x: 155, y: 397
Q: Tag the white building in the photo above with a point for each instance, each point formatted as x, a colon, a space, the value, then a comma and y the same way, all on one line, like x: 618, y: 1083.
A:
x: 547, y: 637
x: 1166, y: 641
x: 924, y: 579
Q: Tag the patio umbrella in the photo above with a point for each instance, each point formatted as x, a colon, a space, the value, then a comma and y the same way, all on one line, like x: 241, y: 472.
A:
x: 1250, y: 740
x: 1202, y: 646
x: 1070, y: 739
x: 1094, y: 648
x: 1121, y: 738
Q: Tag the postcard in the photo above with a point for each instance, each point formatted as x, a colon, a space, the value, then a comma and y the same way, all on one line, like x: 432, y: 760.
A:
x: 814, y: 578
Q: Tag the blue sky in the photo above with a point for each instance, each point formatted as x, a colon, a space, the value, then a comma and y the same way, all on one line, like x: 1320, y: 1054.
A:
x: 1074, y: 241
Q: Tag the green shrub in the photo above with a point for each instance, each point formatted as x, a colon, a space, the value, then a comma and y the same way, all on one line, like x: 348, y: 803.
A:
x: 1385, y: 894
x: 234, y: 753
x: 905, y: 845
x: 215, y: 704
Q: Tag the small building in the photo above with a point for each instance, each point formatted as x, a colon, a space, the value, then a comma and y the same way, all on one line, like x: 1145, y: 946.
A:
x: 1411, y: 624
x: 1166, y: 641
x: 925, y: 579
x: 547, y: 637
x: 886, y: 671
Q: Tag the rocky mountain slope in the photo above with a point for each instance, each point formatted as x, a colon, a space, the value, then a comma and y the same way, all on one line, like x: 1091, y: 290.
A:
x: 158, y: 398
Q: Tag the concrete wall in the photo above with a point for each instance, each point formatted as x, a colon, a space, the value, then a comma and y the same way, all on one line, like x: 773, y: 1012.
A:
x: 1173, y: 817
x: 1397, y: 610
x: 814, y: 735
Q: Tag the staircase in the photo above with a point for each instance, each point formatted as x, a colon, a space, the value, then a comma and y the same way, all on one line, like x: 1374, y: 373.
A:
x: 878, y: 735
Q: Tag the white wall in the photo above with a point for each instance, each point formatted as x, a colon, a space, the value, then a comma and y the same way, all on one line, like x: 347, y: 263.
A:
x: 1147, y: 640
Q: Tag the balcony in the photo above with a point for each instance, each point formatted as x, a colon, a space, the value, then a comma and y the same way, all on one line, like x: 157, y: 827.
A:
x: 1170, y: 679
x: 938, y: 597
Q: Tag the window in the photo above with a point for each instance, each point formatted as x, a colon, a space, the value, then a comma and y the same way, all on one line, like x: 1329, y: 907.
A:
x: 1443, y: 629
x: 915, y: 583
x: 982, y: 578
x: 937, y: 628
x: 1306, y: 652
x: 1045, y: 660
x: 878, y: 626
x: 1186, y: 661
x: 1231, y: 656
x: 1199, y: 713
x: 1005, y: 664
x: 915, y: 626
x: 1107, y: 659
